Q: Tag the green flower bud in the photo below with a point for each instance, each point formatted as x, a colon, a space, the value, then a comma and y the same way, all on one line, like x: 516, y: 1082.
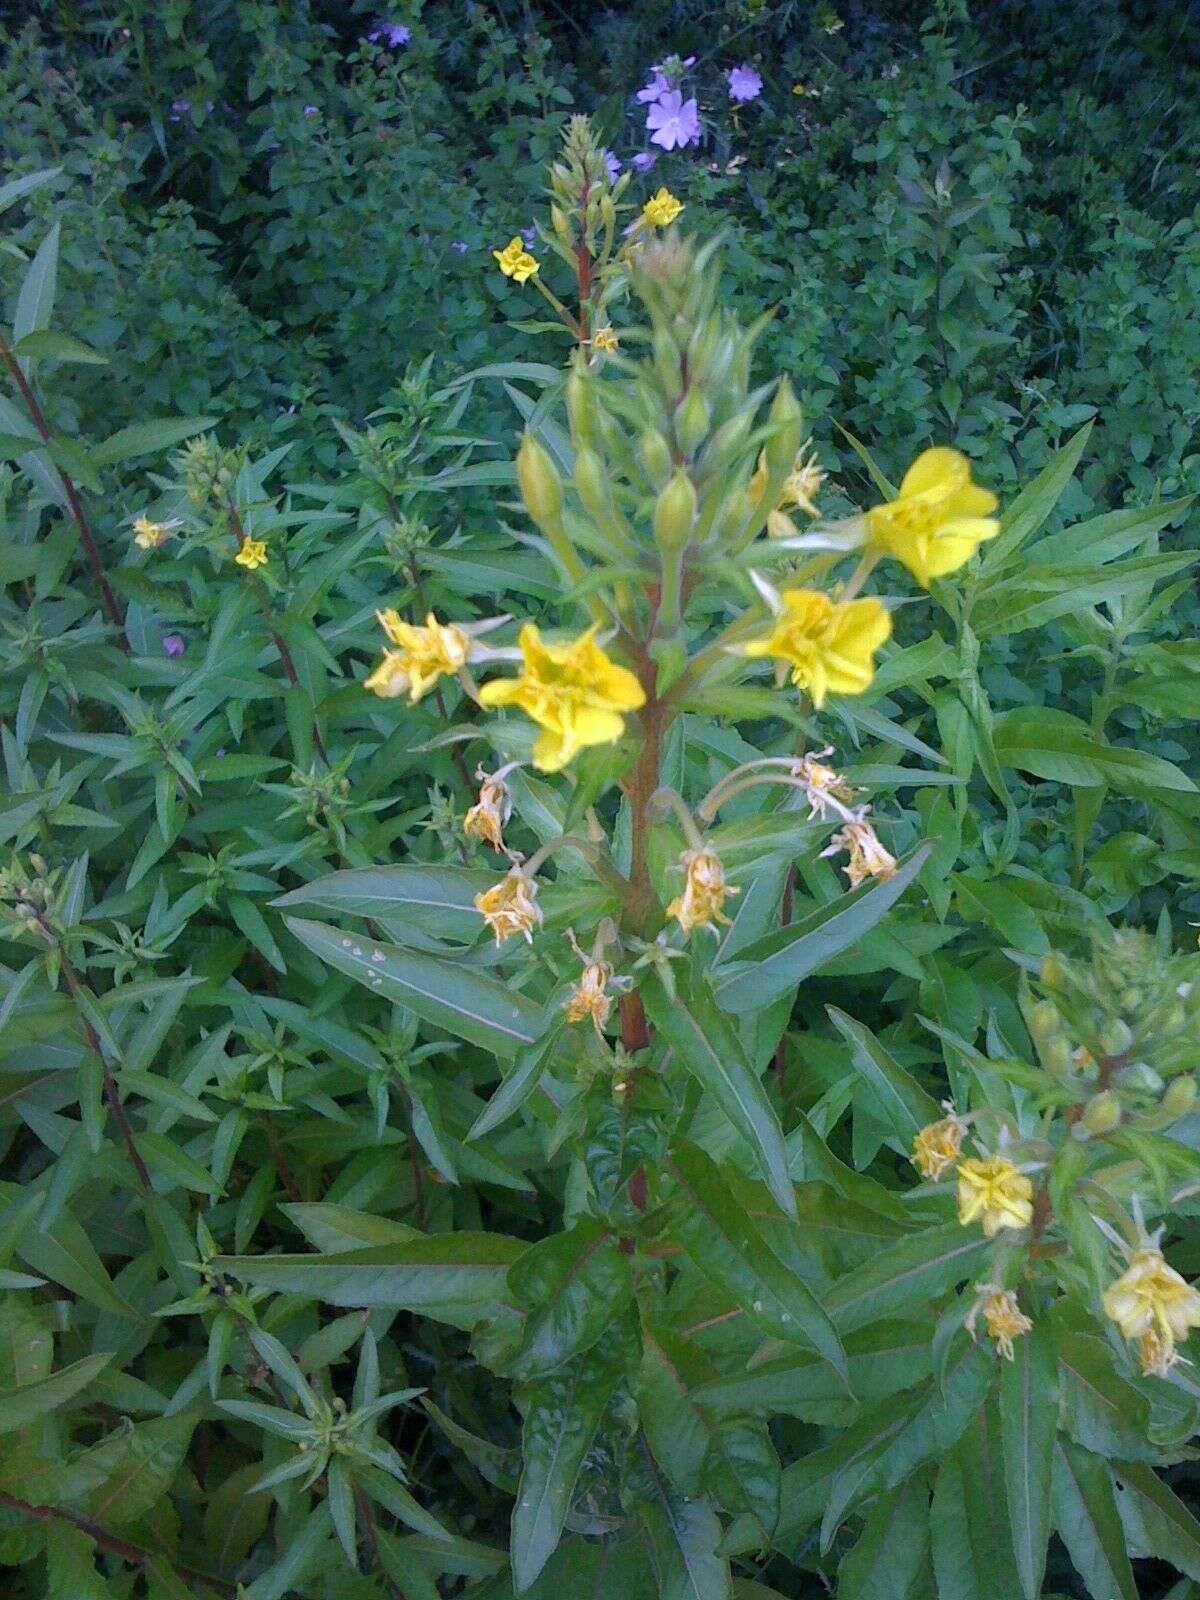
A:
x: 787, y: 425
x: 675, y: 512
x: 729, y: 439
x: 541, y: 488
x: 1180, y: 1096
x: 562, y: 227
x: 1139, y: 1075
x: 1054, y: 971
x: 1057, y: 1055
x: 1116, y: 1036
x: 1103, y: 1112
x: 591, y: 481
x: 656, y: 457
x: 1044, y: 1022
x: 691, y: 421
x: 581, y: 408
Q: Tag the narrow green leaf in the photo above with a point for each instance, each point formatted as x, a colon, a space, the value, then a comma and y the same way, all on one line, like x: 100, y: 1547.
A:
x: 35, y: 302
x: 46, y: 342
x: 148, y: 438
x: 1156, y: 1521
x: 909, y: 1273
x: 1086, y: 1516
x: 31, y: 1400
x: 1028, y: 1420
x: 16, y: 188
x: 572, y: 1286
x: 1036, y: 501
x: 899, y: 1100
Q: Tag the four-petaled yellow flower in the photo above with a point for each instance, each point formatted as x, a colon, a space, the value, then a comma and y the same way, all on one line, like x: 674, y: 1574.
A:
x: 1004, y: 1317
x: 486, y: 818
x: 704, y: 889
x: 423, y: 655
x: 604, y: 339
x: 829, y: 645
x: 589, y: 997
x: 868, y: 858
x: 662, y: 208
x: 515, y: 262
x: 938, y: 519
x: 1152, y: 1303
x: 252, y: 554
x: 149, y: 535
x: 510, y: 906
x: 993, y: 1192
x: 575, y: 693
x: 937, y: 1145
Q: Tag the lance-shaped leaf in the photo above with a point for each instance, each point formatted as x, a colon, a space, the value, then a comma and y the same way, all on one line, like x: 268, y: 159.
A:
x: 1025, y: 515
x: 1156, y: 1520
x: 684, y: 1536
x: 775, y: 964
x: 438, y: 899
x: 725, y: 1242
x: 471, y: 1004
x: 1028, y: 1421
x: 899, y: 1100
x: 707, y: 1046
x: 572, y: 1286
x: 972, y: 1537
x: 890, y: 1554
x: 459, y: 1278
x: 1086, y: 1516
x: 910, y: 1272
x: 31, y: 1400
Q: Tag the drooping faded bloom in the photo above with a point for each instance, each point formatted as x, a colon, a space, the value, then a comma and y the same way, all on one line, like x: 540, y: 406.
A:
x: 510, y: 906
x: 148, y: 535
x: 487, y: 817
x: 804, y: 481
x: 939, y: 518
x: 422, y: 656
x: 662, y: 208
x: 937, y: 1145
x: 252, y: 554
x: 575, y: 693
x: 515, y: 262
x: 605, y: 339
x: 1002, y: 1314
x: 824, y: 787
x: 674, y: 122
x: 828, y: 645
x: 868, y: 857
x: 744, y: 84
x: 1152, y: 1303
x: 701, y: 905
x: 589, y: 997
x: 994, y: 1193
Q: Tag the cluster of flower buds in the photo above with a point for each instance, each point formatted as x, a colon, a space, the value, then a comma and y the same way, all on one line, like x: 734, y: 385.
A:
x: 208, y: 471
x: 28, y: 891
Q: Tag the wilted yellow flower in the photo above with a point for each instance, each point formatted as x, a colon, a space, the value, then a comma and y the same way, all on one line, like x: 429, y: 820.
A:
x: 828, y: 645
x: 424, y: 654
x: 510, y: 906
x: 993, y: 1192
x: 868, y: 858
x: 486, y: 818
x: 937, y: 1145
x: 825, y: 788
x: 589, y: 997
x: 704, y: 890
x: 252, y: 555
x: 662, y: 208
x: 939, y: 518
x: 515, y: 261
x: 1152, y: 1303
x: 149, y: 535
x: 1004, y: 1317
x: 804, y: 481
x: 575, y: 693
x: 604, y: 339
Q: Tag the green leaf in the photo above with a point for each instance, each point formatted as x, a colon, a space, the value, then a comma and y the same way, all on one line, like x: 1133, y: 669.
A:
x: 890, y: 1554
x: 973, y: 1555
x: 1035, y: 502
x: 148, y: 438
x: 16, y: 188
x: 1028, y: 1420
x: 684, y: 1535
x: 30, y: 1400
x: 730, y: 1246
x: 331, y: 1228
x: 707, y: 1046
x: 438, y: 899
x: 459, y: 1278
x: 467, y: 1003
x: 1156, y: 1521
x: 572, y: 1285
x: 35, y: 302
x: 1086, y: 1516
x: 134, y: 1467
x: 45, y: 342
x: 1055, y: 745
x: 909, y: 1273
x: 520, y: 1083
x: 775, y: 964
x: 898, y: 1099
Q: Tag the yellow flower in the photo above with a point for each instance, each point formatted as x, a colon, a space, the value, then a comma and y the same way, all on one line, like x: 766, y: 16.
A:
x: 824, y: 787
x: 993, y: 1192
x: 1150, y: 1302
x: 604, y: 339
x: 515, y: 261
x: 510, y: 906
x: 589, y: 997
x: 574, y: 692
x: 1004, y: 1317
x: 804, y: 481
x: 424, y: 654
x: 661, y: 208
x: 149, y: 535
x: 704, y: 890
x: 252, y: 555
x: 868, y: 858
x: 828, y: 645
x: 937, y: 1145
x: 486, y: 818
x: 938, y: 519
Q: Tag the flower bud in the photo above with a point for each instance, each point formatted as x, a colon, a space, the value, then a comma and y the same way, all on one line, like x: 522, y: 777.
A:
x: 1139, y: 1075
x: 1054, y: 971
x: 1116, y: 1037
x: 562, y: 227
x: 581, y: 408
x: 1057, y: 1055
x: 1103, y: 1112
x: 608, y: 212
x: 656, y: 457
x: 1043, y: 1021
x: 675, y: 512
x: 691, y: 421
x: 787, y: 429
x: 1180, y: 1096
x: 541, y: 488
x: 591, y: 481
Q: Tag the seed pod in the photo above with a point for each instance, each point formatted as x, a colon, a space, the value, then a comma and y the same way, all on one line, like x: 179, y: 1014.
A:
x: 541, y: 488
x: 1103, y: 1112
x: 691, y: 421
x: 675, y: 512
x: 656, y: 456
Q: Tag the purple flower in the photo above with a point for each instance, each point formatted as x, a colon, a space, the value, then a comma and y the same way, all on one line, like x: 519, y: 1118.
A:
x: 643, y: 161
x: 311, y: 111
x: 179, y: 108
x: 460, y: 245
x: 659, y: 85
x: 393, y: 34
x: 674, y: 121
x: 744, y: 84
x: 613, y: 166
x: 529, y: 235
x: 173, y: 644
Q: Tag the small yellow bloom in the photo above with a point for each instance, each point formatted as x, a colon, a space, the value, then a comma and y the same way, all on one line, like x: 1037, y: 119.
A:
x: 993, y: 1192
x: 515, y: 262
x: 486, y: 818
x: 510, y: 906
x: 149, y: 535
x: 937, y: 1145
x: 662, y: 208
x: 868, y: 858
x: 604, y: 339
x: 575, y: 693
x: 1004, y: 1317
x: 824, y: 787
x: 252, y: 555
x: 589, y: 997
x: 939, y: 518
x: 828, y: 645
x: 1152, y: 1303
x: 424, y: 654
x: 804, y: 481
x: 704, y: 890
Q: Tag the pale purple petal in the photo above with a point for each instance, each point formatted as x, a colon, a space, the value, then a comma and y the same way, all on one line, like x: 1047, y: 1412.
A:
x: 674, y: 121
x: 744, y: 84
x: 643, y: 161
x: 612, y: 166
x: 173, y: 644
x: 659, y: 85
x: 393, y: 34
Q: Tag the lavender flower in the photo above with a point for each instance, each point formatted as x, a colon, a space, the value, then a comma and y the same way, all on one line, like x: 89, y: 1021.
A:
x: 612, y: 165
x: 173, y: 644
x: 659, y: 85
x: 393, y: 34
x: 744, y: 84
x: 674, y: 121
x: 460, y: 245
x: 311, y: 111
x: 179, y: 108
x: 529, y: 235
x: 643, y: 161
